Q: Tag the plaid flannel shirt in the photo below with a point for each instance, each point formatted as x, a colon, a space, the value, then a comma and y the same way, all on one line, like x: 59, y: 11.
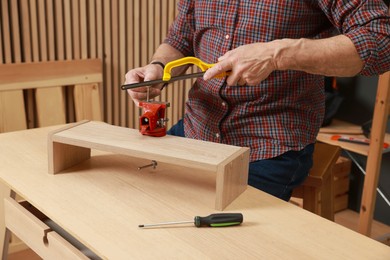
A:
x: 285, y: 111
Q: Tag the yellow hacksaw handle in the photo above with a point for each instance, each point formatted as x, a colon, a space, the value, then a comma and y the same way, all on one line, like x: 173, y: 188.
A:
x: 184, y: 61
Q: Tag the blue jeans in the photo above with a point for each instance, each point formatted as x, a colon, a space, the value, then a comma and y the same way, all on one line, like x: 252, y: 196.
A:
x: 277, y: 176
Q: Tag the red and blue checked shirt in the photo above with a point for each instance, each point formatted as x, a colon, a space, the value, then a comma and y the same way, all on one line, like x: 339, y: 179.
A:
x: 285, y: 111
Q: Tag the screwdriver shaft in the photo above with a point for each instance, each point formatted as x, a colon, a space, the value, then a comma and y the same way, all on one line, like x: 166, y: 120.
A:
x: 165, y: 223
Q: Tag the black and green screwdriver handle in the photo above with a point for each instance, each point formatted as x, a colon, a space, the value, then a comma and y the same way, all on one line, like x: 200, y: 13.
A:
x: 219, y: 220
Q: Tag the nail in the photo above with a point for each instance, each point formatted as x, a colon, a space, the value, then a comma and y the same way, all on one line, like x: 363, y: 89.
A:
x: 153, y: 164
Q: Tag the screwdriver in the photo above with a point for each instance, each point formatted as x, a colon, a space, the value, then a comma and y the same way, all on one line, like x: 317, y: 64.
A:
x: 213, y: 220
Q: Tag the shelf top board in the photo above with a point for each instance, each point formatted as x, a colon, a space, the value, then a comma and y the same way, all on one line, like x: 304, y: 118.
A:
x: 168, y: 149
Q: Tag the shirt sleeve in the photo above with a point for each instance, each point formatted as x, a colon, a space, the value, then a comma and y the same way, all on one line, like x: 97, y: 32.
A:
x: 366, y: 23
x: 181, y: 32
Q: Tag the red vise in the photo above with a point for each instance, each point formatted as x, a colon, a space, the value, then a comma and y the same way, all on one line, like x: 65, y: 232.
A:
x: 152, y: 121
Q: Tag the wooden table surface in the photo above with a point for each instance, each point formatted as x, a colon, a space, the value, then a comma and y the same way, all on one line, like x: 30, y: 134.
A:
x: 101, y: 203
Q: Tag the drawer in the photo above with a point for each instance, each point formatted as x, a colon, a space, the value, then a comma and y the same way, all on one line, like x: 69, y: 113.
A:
x: 31, y: 229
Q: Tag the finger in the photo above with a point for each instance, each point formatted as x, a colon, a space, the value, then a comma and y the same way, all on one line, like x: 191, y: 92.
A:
x: 226, y: 55
x: 257, y: 76
x: 142, y: 93
x: 134, y: 96
x: 216, y: 69
x: 241, y: 82
x: 136, y: 77
x: 150, y: 75
x: 233, y: 79
x: 133, y: 76
x: 146, y: 73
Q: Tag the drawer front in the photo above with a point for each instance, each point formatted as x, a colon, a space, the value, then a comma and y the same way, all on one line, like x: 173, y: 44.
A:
x: 37, y: 235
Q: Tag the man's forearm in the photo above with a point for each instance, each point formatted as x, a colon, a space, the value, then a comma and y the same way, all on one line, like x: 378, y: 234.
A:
x: 335, y: 56
x: 166, y: 53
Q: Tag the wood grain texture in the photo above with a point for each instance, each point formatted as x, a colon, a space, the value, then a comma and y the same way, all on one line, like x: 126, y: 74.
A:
x: 87, y: 102
x: 39, y: 237
x: 58, y: 30
x: 12, y: 113
x: 48, y: 104
x: 124, y: 34
x: 169, y: 149
x: 101, y: 202
x: 229, y: 164
x: 28, y: 75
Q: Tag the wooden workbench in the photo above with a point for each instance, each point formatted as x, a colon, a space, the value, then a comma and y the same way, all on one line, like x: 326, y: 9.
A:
x: 102, y: 201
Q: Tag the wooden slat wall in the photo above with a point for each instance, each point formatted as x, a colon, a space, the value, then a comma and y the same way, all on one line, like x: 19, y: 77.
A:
x: 123, y: 33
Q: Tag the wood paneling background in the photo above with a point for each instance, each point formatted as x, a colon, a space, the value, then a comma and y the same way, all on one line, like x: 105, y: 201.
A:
x: 123, y: 33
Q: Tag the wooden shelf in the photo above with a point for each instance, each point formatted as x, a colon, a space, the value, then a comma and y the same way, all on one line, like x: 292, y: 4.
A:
x: 72, y: 145
x: 341, y: 127
x: 348, y: 129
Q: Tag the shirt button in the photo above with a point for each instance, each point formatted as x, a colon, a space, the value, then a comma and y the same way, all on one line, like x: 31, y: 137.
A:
x: 227, y: 36
x: 223, y: 104
x: 217, y: 135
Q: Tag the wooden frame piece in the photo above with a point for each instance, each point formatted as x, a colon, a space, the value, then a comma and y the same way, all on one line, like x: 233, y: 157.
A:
x: 82, y: 77
x: 374, y: 158
x: 71, y: 145
x: 57, y: 73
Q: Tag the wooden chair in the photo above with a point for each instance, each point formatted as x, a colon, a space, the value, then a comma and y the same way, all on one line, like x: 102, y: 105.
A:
x: 35, y: 95
x: 49, y: 82
x: 317, y: 191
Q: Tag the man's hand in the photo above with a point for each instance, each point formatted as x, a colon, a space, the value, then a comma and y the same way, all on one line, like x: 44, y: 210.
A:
x: 146, y: 73
x: 249, y: 64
